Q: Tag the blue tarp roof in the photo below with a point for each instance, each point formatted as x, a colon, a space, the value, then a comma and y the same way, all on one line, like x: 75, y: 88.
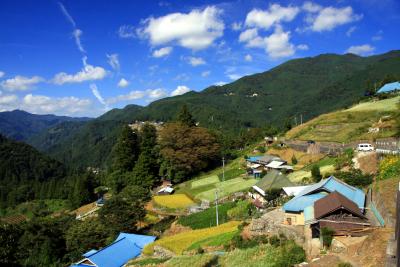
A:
x: 124, y: 248
x: 254, y: 158
x: 312, y: 193
x: 389, y: 87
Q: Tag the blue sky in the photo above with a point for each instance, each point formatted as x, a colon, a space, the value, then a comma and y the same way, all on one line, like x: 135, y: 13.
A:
x: 82, y: 58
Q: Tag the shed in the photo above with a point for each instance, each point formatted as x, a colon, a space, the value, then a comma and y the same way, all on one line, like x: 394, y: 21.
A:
x: 272, y: 180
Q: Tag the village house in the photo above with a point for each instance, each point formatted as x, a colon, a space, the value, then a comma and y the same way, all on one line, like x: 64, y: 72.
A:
x: 273, y: 180
x: 260, y: 164
x: 118, y: 253
x: 300, y: 209
x: 389, y: 88
x: 337, y: 212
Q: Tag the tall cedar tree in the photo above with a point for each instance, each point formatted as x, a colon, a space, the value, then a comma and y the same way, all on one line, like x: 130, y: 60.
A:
x: 186, y: 150
x: 145, y: 172
x: 185, y: 117
x: 126, y: 150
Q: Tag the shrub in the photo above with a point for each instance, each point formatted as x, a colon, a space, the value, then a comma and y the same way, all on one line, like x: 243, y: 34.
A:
x: 261, y: 149
x: 354, y: 178
x: 294, y: 160
x: 389, y: 167
x: 241, y: 211
x: 327, y: 236
x: 316, y: 173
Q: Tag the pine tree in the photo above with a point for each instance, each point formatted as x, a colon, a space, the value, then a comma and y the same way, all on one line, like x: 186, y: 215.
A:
x: 185, y: 117
x: 126, y: 150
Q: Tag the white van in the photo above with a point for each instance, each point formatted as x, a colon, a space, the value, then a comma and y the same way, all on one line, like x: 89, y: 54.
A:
x: 365, y: 147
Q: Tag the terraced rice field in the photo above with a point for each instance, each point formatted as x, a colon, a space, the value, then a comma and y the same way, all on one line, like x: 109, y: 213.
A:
x: 181, y: 242
x: 205, y: 181
x: 176, y: 201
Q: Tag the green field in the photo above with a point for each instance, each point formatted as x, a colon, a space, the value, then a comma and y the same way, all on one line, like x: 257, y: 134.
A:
x: 205, y: 181
x: 382, y: 105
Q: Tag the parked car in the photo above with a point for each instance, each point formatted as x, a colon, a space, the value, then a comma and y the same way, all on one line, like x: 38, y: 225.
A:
x: 365, y: 147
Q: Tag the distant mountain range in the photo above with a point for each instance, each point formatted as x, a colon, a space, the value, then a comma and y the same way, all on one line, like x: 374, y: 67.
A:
x: 304, y: 87
x: 21, y: 125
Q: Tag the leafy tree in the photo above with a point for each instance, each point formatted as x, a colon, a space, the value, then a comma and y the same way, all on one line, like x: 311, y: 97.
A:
x: 121, y: 215
x: 9, y: 236
x: 126, y: 150
x: 294, y: 160
x: 145, y: 172
x: 354, y: 177
x: 316, y: 173
x: 186, y: 150
x: 85, y: 235
x: 185, y: 117
x: 133, y: 193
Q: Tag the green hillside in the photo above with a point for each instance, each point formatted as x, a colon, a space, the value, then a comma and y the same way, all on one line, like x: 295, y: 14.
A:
x: 351, y: 124
x: 308, y: 86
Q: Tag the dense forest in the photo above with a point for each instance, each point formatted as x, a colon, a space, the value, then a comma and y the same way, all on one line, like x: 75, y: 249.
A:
x: 303, y: 88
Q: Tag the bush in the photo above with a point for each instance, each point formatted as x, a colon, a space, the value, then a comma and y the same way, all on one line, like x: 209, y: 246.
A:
x: 241, y: 211
x: 261, y: 149
x: 354, y: 178
x: 316, y: 173
x: 327, y: 236
x: 389, y: 167
x: 294, y: 160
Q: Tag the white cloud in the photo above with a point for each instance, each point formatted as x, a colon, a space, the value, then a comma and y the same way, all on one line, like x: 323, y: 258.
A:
x: 88, y: 73
x: 126, y: 31
x: 196, y: 61
x: 162, y: 52
x: 97, y: 94
x: 278, y: 45
x: 311, y: 7
x: 64, y: 105
x: 180, y: 90
x: 7, y: 99
x: 21, y: 83
x: 361, y: 50
x: 350, y: 31
x: 182, y: 77
x: 302, y: 47
x: 113, y: 61
x: 156, y: 93
x: 274, y: 15
x: 77, y: 33
x: 195, y: 30
x: 236, y: 26
x: 234, y: 76
x: 220, y: 83
x: 132, y: 95
x: 329, y: 18
x: 377, y: 36
x: 205, y: 73
x: 248, y: 58
x: 123, y: 83
x: 67, y: 15
x: 2, y: 73
x: 248, y: 35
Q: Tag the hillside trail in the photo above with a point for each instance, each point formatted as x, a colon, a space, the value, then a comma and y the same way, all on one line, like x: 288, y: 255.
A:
x: 367, y: 162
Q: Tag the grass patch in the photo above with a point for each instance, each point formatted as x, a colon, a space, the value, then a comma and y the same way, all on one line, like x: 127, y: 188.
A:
x: 231, y: 174
x: 214, y: 241
x: 389, y: 104
x: 326, y: 161
x: 264, y: 256
x: 181, y: 242
x: 147, y: 262
x: 200, y: 260
x: 205, y: 181
x: 207, y: 218
x: 176, y: 201
x: 228, y: 187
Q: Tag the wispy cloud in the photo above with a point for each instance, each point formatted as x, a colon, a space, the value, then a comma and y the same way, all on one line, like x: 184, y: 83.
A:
x: 67, y: 15
x: 113, y: 61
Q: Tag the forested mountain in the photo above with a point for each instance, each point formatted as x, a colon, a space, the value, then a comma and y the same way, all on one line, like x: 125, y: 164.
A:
x: 20, y: 125
x: 306, y: 87
x: 25, y: 173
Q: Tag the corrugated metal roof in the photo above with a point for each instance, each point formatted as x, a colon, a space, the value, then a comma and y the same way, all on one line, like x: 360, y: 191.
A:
x: 389, y: 87
x: 299, y: 203
x: 274, y: 164
x: 294, y: 190
x: 328, y: 185
x: 125, y: 247
x: 333, y: 202
x: 273, y: 180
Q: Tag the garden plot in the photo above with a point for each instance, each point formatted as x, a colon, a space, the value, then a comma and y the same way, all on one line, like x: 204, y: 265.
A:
x: 205, y: 181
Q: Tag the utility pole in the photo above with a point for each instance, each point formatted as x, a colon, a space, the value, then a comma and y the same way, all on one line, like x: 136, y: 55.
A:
x: 223, y: 169
x: 216, y: 205
x: 295, y: 120
x: 301, y: 119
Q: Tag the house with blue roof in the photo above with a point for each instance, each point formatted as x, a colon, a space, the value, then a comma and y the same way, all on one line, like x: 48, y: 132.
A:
x: 298, y: 207
x: 389, y: 87
x: 124, y: 248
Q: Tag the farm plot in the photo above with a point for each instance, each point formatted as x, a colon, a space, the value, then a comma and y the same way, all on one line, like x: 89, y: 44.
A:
x: 181, y: 242
x: 205, y: 181
x: 226, y: 188
x: 176, y: 201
